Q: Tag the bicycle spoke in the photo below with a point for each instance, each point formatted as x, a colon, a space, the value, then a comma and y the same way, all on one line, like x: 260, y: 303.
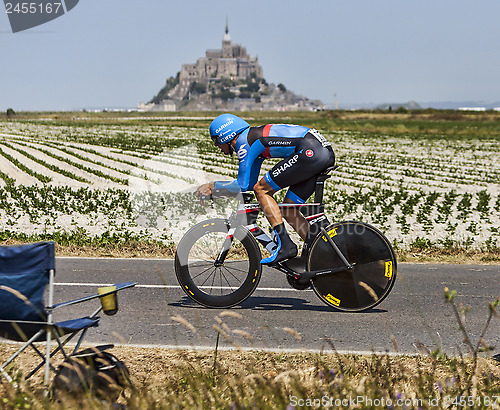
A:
x: 206, y: 251
x: 201, y: 273
x: 214, y: 284
x: 205, y: 281
x: 201, y: 264
x: 231, y: 273
x: 238, y: 269
x: 213, y: 280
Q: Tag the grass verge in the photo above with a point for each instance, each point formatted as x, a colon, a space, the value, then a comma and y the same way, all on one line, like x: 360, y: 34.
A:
x: 147, y: 249
x: 167, y: 379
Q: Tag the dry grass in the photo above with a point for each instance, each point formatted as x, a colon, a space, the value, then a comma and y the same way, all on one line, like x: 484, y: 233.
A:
x: 131, y: 249
x: 174, y: 378
x: 146, y: 250
x: 449, y: 256
x: 234, y: 379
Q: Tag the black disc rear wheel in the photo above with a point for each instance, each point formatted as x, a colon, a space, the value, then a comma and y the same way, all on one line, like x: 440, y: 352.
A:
x: 212, y: 284
x: 372, y: 276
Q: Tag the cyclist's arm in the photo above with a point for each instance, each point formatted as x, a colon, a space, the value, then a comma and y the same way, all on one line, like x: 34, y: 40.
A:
x: 248, y: 170
x: 230, y: 186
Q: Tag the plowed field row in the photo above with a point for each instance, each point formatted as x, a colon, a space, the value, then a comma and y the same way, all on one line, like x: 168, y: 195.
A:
x: 131, y: 181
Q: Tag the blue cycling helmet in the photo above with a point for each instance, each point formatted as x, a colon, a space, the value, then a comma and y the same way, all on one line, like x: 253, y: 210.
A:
x: 226, y: 127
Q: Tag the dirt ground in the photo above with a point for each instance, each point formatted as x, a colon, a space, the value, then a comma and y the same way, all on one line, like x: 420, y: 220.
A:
x: 144, y: 250
x: 152, y: 367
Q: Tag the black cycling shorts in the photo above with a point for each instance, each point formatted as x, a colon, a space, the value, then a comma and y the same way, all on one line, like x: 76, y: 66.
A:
x: 300, y: 170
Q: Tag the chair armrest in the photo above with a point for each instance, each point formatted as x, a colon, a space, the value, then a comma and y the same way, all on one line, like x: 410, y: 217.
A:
x: 119, y: 286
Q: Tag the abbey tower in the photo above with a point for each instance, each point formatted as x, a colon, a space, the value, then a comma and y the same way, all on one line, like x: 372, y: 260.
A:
x: 231, y: 61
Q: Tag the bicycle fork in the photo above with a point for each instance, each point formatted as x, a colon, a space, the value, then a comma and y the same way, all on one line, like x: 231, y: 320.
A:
x: 226, y: 245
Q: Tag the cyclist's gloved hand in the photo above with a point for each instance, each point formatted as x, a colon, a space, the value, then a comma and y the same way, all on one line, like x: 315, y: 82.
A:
x: 205, y: 190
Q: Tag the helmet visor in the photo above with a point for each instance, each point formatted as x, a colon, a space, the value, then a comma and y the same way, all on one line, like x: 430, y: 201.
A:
x: 215, y: 139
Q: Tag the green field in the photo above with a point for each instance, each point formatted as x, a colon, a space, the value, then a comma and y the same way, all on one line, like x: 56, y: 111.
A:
x: 430, y: 180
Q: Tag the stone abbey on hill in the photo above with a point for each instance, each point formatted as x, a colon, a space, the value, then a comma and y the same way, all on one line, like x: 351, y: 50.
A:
x: 232, y: 61
x: 225, y: 79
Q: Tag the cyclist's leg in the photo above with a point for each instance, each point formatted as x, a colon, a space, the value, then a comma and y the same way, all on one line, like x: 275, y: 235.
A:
x: 264, y: 195
x: 298, y: 193
x: 286, y: 248
x: 295, y: 218
x: 299, y: 171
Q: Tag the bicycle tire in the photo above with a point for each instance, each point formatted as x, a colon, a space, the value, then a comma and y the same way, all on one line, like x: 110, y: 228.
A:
x: 217, y: 286
x: 369, y: 281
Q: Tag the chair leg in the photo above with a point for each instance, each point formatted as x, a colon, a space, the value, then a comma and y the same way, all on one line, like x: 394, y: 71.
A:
x: 13, y: 357
x: 54, y: 352
x: 6, y: 375
x: 80, y: 339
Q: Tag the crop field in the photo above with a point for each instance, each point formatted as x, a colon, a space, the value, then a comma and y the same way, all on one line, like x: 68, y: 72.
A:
x: 127, y: 179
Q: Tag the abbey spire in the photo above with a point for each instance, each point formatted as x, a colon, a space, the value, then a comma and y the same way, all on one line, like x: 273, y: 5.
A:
x: 227, y: 49
x: 227, y: 37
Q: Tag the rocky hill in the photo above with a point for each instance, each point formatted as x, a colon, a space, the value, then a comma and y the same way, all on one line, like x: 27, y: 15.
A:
x: 225, y: 79
x: 250, y: 94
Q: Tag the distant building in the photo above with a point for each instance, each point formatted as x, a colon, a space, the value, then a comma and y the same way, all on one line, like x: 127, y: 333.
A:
x: 202, y: 87
x: 232, y: 61
x: 165, y: 105
x: 472, y: 108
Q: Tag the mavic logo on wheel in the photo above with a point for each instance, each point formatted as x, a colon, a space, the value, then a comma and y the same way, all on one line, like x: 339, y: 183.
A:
x: 27, y: 14
x: 388, y: 269
x: 331, y: 234
x: 332, y: 299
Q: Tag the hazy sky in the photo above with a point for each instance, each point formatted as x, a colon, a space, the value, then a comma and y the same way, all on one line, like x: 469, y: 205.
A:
x: 117, y: 53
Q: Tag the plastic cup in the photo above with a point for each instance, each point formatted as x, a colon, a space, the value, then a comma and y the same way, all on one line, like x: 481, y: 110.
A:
x: 109, y: 302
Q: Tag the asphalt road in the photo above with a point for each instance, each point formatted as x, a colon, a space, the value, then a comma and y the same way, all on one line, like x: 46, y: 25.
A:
x: 414, y: 313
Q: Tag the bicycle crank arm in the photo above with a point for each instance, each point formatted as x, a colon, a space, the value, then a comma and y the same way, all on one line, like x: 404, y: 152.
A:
x: 305, y: 277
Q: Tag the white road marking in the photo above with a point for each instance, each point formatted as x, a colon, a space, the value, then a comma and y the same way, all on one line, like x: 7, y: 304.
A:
x: 268, y: 349
x: 247, y: 349
x: 174, y: 287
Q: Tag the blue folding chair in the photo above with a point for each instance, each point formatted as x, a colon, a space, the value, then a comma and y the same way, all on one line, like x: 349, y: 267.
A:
x: 25, y: 273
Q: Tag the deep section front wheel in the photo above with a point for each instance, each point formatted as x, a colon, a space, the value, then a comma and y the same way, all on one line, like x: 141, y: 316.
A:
x: 217, y: 266
x: 370, y: 279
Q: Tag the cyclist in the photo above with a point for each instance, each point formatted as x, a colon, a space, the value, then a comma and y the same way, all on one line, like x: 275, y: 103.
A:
x: 305, y: 153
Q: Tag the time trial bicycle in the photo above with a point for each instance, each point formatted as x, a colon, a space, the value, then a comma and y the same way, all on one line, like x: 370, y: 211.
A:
x: 350, y: 265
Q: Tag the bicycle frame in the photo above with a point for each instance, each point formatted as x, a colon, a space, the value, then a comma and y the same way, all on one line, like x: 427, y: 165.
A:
x: 346, y: 263
x: 246, y: 215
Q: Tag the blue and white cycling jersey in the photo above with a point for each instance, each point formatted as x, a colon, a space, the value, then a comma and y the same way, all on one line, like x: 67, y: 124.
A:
x: 258, y: 143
